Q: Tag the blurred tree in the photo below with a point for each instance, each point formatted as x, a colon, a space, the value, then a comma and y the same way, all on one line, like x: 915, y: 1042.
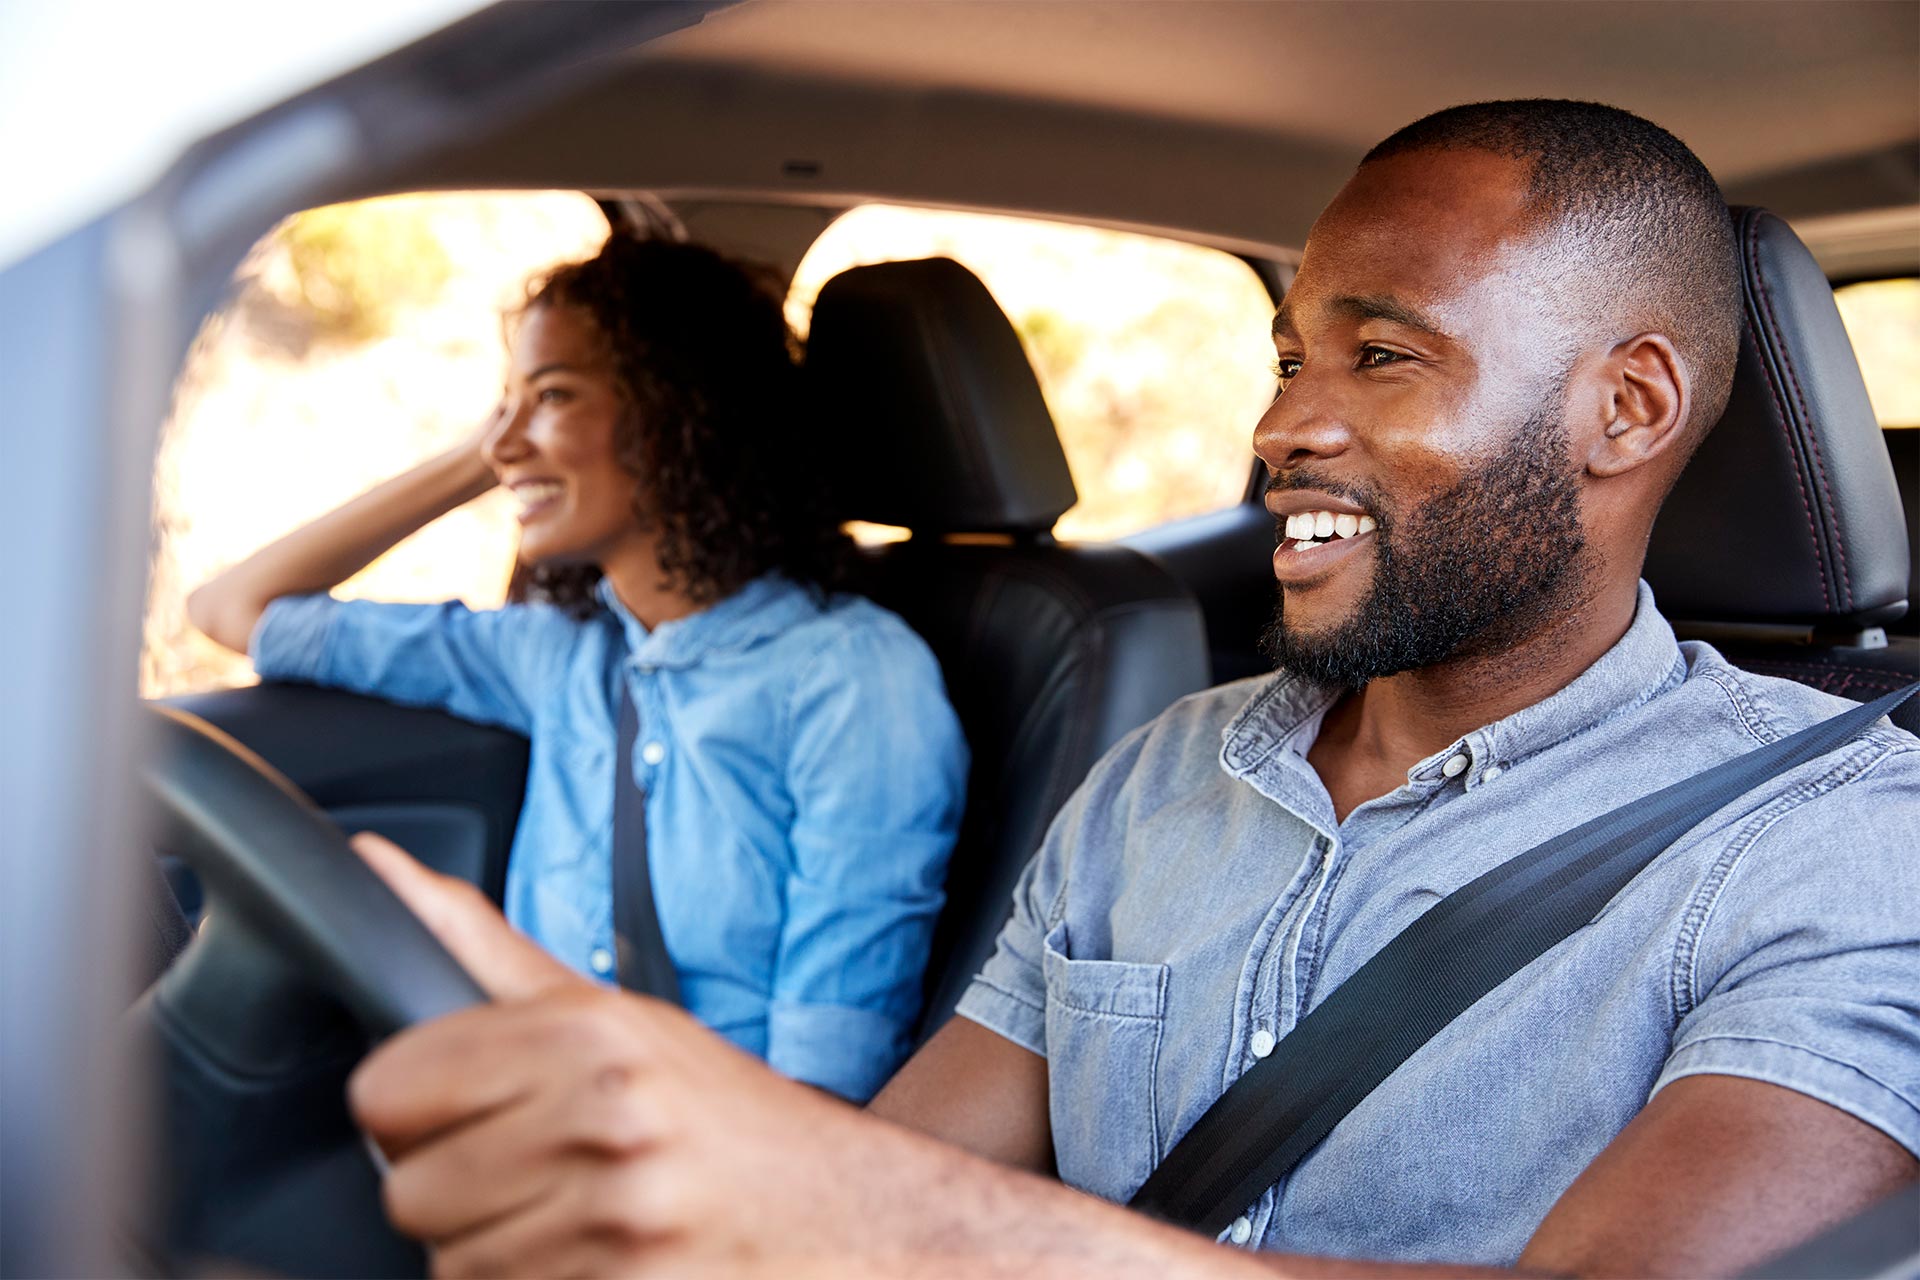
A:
x: 355, y: 266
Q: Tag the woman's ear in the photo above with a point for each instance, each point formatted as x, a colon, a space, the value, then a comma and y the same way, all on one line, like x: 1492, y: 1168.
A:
x: 1646, y: 398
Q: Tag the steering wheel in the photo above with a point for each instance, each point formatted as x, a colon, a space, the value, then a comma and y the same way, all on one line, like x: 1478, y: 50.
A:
x: 304, y: 960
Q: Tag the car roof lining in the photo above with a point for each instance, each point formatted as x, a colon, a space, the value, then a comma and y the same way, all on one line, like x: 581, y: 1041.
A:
x: 1057, y: 110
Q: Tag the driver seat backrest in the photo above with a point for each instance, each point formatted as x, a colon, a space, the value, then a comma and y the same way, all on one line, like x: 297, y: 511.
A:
x: 934, y: 422
x: 1784, y: 543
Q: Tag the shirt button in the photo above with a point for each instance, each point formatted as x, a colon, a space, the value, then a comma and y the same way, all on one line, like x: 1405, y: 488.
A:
x: 1263, y: 1043
x: 601, y: 960
x: 1455, y: 765
x: 1241, y: 1232
x: 653, y: 753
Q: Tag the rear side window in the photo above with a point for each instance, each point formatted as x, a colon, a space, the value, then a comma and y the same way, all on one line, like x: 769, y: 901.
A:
x: 1883, y: 322
x: 1153, y: 353
x: 360, y: 338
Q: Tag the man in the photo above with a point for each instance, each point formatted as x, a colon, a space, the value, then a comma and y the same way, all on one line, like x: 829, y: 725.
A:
x: 1507, y: 334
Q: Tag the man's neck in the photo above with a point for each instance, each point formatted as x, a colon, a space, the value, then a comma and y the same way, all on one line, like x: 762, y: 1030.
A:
x: 1370, y: 738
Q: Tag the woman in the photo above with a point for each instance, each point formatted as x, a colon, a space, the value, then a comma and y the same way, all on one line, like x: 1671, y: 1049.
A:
x: 802, y: 771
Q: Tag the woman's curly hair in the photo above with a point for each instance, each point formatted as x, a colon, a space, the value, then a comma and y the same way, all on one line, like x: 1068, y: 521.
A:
x: 705, y: 362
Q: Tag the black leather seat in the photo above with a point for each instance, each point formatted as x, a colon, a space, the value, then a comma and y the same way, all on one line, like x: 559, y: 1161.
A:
x: 1903, y: 446
x: 1051, y: 652
x: 1784, y: 542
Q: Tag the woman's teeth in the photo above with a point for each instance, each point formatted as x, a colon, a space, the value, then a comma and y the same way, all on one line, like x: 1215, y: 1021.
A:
x: 1315, y: 528
x: 533, y: 494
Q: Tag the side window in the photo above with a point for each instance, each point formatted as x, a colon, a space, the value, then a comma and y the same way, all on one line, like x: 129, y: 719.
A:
x: 1883, y: 322
x: 1153, y: 354
x: 359, y: 339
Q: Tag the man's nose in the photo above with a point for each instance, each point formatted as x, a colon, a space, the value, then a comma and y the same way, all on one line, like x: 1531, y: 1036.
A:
x: 1303, y: 424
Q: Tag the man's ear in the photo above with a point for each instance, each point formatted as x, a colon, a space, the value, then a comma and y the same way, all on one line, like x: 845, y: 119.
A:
x: 1646, y: 397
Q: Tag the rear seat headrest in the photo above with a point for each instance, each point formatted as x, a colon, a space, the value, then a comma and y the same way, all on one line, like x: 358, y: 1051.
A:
x: 931, y: 416
x: 1789, y: 513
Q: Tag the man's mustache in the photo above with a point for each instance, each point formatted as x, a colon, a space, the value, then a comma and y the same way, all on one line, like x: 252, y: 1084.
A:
x: 1307, y: 478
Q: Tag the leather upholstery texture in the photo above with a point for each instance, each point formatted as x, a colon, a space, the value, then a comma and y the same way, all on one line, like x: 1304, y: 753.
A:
x: 1903, y: 446
x: 1051, y: 652
x: 1051, y: 655
x: 1788, y: 514
x: 935, y: 415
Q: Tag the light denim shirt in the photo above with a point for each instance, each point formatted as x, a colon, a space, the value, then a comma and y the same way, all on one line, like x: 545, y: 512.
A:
x: 1194, y: 900
x: 804, y: 776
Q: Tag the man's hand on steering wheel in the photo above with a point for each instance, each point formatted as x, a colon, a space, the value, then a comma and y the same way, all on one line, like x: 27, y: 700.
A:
x: 570, y: 1129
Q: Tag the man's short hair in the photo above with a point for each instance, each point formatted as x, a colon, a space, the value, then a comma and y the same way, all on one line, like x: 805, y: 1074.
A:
x: 1635, y: 203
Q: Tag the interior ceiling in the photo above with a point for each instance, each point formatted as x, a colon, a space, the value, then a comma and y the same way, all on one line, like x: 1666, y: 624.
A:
x: 1231, y: 122
x: 1753, y: 87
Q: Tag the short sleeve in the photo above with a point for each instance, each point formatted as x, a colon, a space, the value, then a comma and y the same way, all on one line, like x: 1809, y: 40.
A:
x: 484, y: 665
x: 1009, y: 994
x: 1806, y: 971
x: 877, y: 770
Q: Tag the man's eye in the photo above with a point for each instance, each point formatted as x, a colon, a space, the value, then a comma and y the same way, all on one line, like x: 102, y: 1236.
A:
x: 1378, y: 357
x: 1286, y: 368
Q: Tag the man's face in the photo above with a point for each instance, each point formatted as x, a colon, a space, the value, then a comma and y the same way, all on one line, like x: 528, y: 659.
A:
x: 1422, y: 416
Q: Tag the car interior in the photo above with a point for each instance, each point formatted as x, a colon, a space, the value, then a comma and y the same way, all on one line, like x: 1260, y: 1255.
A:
x: 1790, y: 542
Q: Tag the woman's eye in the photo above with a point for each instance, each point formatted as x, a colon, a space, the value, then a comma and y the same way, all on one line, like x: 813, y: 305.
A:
x: 1286, y: 368
x: 1378, y: 357
x: 554, y: 395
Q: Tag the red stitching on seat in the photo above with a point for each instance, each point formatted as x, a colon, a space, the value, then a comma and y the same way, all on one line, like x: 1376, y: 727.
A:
x: 1786, y: 421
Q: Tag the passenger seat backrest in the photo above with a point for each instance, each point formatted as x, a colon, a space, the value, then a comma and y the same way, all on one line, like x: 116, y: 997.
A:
x: 1903, y: 447
x: 1784, y: 542
x: 925, y: 401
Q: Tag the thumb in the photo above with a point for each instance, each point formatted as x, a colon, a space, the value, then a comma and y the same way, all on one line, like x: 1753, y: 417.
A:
x: 504, y: 961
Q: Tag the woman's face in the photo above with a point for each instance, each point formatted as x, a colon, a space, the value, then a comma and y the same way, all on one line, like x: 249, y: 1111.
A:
x: 554, y: 442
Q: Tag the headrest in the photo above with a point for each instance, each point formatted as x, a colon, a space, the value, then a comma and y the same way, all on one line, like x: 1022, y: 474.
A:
x: 933, y: 417
x: 1789, y: 513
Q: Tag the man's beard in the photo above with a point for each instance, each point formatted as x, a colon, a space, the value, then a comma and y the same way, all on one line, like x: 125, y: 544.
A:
x: 1474, y: 570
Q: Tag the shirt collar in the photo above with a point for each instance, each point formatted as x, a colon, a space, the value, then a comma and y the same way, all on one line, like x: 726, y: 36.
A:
x: 764, y: 607
x: 1644, y: 663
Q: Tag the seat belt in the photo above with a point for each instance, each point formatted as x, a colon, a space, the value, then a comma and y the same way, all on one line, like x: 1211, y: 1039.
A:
x: 641, y: 952
x: 1463, y: 947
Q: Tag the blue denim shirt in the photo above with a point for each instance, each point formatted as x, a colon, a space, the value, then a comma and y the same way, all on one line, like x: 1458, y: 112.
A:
x: 804, y: 776
x: 1193, y: 900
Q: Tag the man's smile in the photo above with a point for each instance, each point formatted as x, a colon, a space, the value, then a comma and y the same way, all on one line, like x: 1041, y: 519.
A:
x: 1300, y: 561
x: 1316, y: 533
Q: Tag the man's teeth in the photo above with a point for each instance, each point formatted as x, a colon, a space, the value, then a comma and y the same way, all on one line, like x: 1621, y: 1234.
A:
x: 1315, y: 528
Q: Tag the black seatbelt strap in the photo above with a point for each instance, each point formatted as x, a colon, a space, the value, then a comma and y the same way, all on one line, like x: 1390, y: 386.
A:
x: 1466, y: 945
x: 644, y: 964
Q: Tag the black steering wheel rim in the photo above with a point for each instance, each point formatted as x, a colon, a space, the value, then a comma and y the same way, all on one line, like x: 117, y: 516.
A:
x: 267, y: 855
x: 252, y: 1030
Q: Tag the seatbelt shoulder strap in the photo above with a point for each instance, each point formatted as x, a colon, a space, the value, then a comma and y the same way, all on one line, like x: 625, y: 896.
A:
x: 639, y: 947
x: 1467, y: 944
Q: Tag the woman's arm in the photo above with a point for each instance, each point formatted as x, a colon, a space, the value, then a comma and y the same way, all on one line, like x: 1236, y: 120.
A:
x: 326, y: 552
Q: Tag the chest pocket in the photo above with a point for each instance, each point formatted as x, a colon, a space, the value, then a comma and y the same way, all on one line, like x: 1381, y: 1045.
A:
x: 1105, y: 1022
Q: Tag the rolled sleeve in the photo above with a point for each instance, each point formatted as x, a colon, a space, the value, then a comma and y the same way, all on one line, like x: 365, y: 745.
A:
x: 1807, y: 969
x: 290, y: 640
x: 484, y: 665
x: 877, y: 771
x: 846, y: 1050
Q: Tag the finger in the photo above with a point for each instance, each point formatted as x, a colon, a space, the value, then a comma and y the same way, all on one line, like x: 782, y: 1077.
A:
x: 603, y: 1221
x: 445, y: 1073
x: 459, y: 1068
x: 501, y: 959
x: 504, y: 1161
